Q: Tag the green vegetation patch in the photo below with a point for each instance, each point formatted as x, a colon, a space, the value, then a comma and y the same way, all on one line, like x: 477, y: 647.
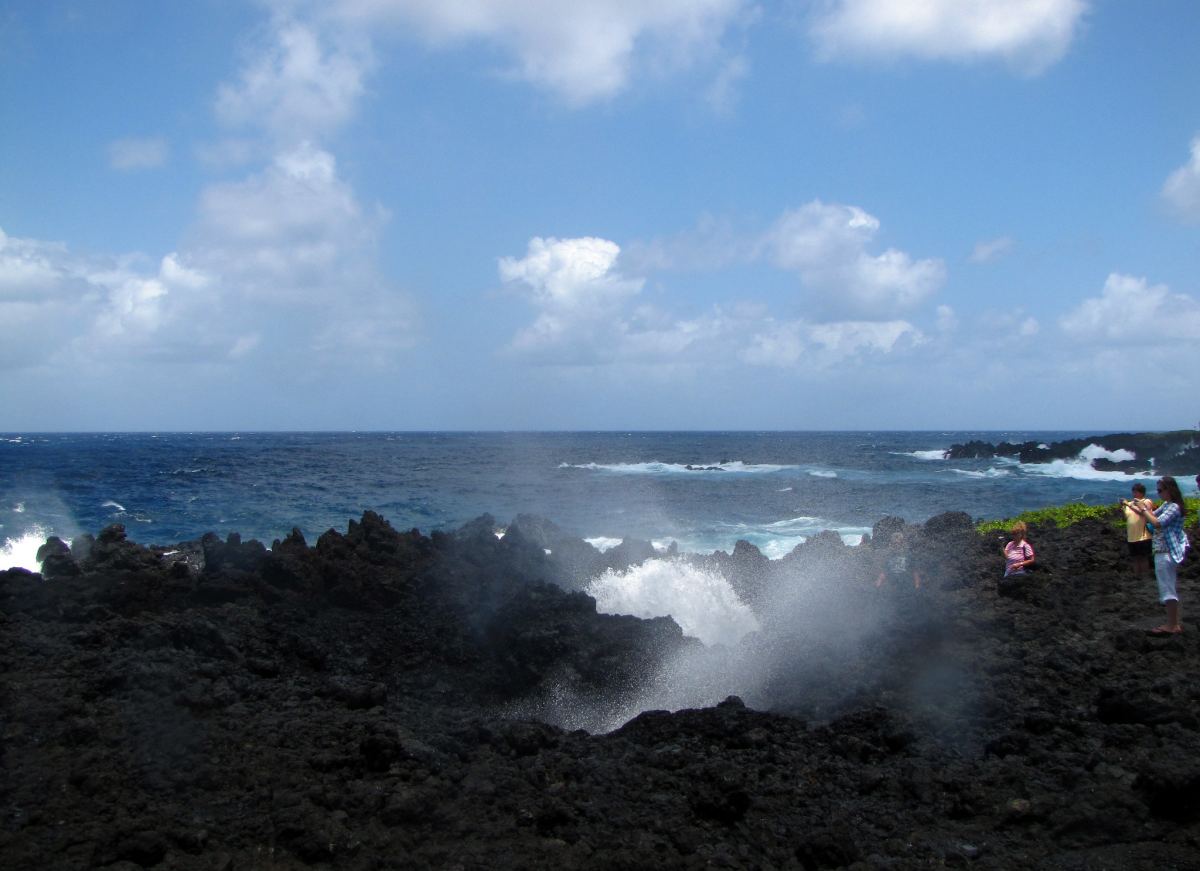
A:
x: 1073, y: 512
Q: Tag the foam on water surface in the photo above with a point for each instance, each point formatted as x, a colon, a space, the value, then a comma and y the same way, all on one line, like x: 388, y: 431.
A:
x: 701, y: 602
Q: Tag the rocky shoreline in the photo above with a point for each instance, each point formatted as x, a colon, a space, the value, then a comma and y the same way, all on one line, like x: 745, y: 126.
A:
x: 1155, y: 453
x: 386, y: 699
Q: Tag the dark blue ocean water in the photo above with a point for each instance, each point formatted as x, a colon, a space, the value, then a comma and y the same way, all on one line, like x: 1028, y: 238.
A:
x: 770, y: 488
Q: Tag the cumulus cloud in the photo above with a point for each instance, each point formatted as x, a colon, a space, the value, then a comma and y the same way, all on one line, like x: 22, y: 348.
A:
x: 1031, y: 35
x: 295, y: 85
x: 295, y: 233
x: 56, y: 303
x: 289, y: 231
x: 134, y: 154
x: 1129, y: 309
x: 826, y: 245
x: 584, y: 51
x: 282, y: 263
x: 586, y: 316
x: 574, y: 284
x: 1182, y: 188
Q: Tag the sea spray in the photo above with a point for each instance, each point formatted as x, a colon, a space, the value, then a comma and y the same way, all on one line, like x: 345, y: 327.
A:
x: 21, y: 552
x: 700, y: 601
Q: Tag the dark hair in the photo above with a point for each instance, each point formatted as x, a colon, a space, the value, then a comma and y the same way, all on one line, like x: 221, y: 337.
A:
x: 1171, y: 486
x: 1139, y: 488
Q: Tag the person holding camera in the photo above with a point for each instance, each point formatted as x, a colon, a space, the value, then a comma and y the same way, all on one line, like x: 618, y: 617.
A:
x: 1136, y: 534
x: 1170, y: 545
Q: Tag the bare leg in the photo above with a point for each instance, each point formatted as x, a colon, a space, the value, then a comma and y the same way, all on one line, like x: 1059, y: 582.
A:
x: 1173, y: 614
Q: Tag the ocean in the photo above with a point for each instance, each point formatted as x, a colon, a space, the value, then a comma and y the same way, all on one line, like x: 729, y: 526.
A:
x: 703, y: 490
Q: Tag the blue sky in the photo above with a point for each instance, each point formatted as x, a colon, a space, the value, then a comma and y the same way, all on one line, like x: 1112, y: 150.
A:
x: 599, y: 214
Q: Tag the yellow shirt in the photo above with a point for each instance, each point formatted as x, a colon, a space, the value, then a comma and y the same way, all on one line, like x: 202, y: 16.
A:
x: 1135, y: 524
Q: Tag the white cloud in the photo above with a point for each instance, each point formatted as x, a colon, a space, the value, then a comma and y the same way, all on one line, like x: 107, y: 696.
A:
x: 55, y: 303
x: 585, y: 316
x: 1128, y: 310
x: 295, y: 86
x: 826, y: 246
x: 1182, y: 188
x: 573, y: 282
x: 991, y: 249
x: 131, y: 154
x: 1031, y: 35
x: 283, y: 264
x: 295, y: 234
x: 822, y: 345
x: 29, y: 269
x: 287, y: 232
x: 584, y: 51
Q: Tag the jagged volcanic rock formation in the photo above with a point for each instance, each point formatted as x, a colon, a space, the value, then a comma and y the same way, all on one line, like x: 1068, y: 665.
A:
x: 1163, y: 453
x: 350, y: 704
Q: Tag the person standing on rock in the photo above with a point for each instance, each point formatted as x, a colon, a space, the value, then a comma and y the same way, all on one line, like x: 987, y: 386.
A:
x: 1170, y: 547
x: 1136, y: 533
x: 1018, y: 553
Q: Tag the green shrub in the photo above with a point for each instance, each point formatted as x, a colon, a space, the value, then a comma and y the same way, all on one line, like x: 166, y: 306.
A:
x: 1073, y: 512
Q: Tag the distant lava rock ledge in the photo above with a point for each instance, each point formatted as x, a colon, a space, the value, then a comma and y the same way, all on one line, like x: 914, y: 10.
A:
x: 1157, y: 453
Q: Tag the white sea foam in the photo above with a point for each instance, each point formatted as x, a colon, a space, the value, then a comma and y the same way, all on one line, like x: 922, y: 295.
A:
x: 924, y: 455
x: 19, y: 508
x: 785, y: 490
x: 22, y: 552
x: 823, y: 473
x: 603, y: 543
x: 656, y: 468
x: 1096, y: 452
x: 111, y: 504
x: 986, y: 473
x: 1081, y: 469
x: 775, y: 539
x: 701, y: 602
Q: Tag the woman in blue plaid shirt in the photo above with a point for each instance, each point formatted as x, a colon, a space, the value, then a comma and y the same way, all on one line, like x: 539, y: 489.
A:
x: 1170, y: 547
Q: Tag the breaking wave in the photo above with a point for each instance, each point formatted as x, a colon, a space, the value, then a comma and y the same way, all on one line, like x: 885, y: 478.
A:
x: 701, y: 602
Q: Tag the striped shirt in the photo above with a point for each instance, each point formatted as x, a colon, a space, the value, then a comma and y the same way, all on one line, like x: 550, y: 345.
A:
x: 1016, y: 553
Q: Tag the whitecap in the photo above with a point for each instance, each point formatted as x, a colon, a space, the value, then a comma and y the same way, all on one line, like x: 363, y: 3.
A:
x: 986, y: 473
x: 602, y: 542
x: 1098, y: 452
x: 823, y: 473
x: 1081, y: 469
x: 19, y: 508
x: 700, y: 601
x: 659, y: 468
x: 939, y: 454
x: 111, y: 504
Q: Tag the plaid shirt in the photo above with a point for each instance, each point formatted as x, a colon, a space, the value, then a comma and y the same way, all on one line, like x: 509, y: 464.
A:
x: 1169, y: 536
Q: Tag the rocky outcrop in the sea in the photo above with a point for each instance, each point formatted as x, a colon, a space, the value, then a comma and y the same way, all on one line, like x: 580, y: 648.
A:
x: 1160, y: 453
x: 356, y: 703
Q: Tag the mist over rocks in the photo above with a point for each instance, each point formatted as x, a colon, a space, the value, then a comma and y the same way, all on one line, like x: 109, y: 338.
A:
x: 383, y: 698
x: 1161, y: 453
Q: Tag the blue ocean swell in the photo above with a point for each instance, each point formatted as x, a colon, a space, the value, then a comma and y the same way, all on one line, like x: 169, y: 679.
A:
x: 170, y: 487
